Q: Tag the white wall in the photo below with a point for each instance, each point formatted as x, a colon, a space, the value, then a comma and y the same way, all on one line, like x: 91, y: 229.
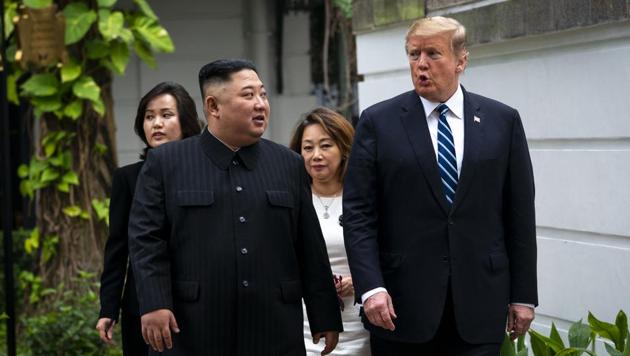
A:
x: 203, y: 31
x: 572, y: 90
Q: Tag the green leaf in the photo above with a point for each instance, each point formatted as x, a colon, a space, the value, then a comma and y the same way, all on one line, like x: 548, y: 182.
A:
x: 74, y: 109
x: 120, y: 56
x: 606, y: 330
x: 71, y: 178
x: 520, y: 345
x: 523, y: 352
x: 70, y: 71
x: 49, y: 175
x: 539, y: 347
x: 579, y: 335
x: 145, y: 9
x: 621, y: 321
x: 507, y: 346
x: 38, y: 4
x: 574, y: 351
x: 99, y: 107
x: 106, y: 3
x: 10, y: 11
x: 72, y: 211
x: 101, y: 207
x: 22, y: 171
x: 100, y: 148
x: 44, y: 84
x: 612, y: 351
x: 26, y: 188
x: 110, y: 23
x: 555, y: 336
x: 79, y: 19
x: 85, y: 215
x: 86, y: 88
x: 12, y: 92
x: 626, y: 351
x: 47, y: 103
x: 32, y: 242
x: 96, y: 49
x: 63, y: 187
x: 154, y: 34
x: 126, y: 35
x: 145, y: 54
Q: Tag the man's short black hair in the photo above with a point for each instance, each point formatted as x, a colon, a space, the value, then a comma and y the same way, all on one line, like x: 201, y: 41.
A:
x: 220, y: 71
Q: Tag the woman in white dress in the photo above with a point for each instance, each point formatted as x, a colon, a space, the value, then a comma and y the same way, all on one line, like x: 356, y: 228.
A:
x: 324, y: 138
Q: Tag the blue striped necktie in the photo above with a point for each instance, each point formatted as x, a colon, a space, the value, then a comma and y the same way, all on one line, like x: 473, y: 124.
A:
x: 447, y: 161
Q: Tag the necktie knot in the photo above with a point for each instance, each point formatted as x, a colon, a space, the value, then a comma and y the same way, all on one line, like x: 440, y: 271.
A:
x: 442, y: 109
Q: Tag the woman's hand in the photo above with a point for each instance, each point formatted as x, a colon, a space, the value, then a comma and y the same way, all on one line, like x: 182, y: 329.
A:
x: 344, y: 286
x: 105, y: 327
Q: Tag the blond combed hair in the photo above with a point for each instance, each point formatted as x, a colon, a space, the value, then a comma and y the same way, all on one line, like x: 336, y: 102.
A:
x: 431, y: 26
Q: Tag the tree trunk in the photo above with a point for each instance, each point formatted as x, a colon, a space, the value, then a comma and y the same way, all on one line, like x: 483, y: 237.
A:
x: 81, y: 241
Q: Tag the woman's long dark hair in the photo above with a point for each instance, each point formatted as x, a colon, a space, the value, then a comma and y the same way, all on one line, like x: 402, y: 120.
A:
x: 186, y: 111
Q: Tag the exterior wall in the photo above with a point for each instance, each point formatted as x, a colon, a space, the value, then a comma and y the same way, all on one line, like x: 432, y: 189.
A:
x: 203, y: 31
x: 570, y: 85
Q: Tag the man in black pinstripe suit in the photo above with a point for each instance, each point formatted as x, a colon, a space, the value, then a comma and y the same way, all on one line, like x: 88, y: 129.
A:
x: 224, y: 239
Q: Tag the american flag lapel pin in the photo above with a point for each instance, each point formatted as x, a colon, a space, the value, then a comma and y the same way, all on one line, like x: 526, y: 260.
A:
x: 477, y: 120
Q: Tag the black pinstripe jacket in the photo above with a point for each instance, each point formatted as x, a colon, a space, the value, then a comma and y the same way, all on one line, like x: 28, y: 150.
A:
x: 230, y: 242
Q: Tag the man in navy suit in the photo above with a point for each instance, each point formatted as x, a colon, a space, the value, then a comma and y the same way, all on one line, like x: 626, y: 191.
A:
x: 439, y: 219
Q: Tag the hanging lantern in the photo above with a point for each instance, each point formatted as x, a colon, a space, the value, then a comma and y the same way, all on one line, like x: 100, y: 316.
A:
x: 40, y: 37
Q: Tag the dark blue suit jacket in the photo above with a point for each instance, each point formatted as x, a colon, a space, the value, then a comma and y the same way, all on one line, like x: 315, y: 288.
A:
x: 400, y: 233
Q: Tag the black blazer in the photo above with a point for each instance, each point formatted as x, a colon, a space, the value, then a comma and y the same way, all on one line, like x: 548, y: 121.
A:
x: 118, y: 288
x: 401, y: 235
x: 230, y: 242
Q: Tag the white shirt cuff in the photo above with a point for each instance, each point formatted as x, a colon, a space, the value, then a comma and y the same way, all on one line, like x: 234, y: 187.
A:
x: 525, y: 305
x: 370, y: 293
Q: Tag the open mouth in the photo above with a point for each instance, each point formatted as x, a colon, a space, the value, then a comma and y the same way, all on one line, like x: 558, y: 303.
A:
x: 158, y: 135
x: 423, y: 78
x: 259, y: 119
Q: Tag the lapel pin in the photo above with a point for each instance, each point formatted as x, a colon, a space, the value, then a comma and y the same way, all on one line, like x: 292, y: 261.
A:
x: 476, y: 119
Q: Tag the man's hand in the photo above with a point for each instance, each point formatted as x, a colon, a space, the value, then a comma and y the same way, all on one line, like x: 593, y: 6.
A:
x: 105, y: 327
x: 380, y: 311
x: 345, y: 287
x: 332, y: 337
x: 519, y: 319
x: 156, y: 329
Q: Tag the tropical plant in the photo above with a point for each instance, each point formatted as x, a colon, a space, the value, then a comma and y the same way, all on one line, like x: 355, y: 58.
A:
x: 581, y: 337
x: 69, y: 175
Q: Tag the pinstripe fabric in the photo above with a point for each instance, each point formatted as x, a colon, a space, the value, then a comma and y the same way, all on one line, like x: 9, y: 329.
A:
x: 230, y: 242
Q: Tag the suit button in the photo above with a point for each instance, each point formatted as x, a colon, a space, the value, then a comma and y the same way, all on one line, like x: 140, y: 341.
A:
x: 451, y: 222
x: 445, y: 258
x: 245, y: 284
x: 235, y: 162
x: 244, y: 251
x: 239, y: 188
x: 241, y: 219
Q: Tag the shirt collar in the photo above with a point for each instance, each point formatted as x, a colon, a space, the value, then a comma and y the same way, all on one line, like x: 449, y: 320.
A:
x: 455, y: 104
x: 222, y: 155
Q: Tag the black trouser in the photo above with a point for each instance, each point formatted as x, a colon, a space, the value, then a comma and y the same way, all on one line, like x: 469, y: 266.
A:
x: 131, y: 330
x: 447, y: 341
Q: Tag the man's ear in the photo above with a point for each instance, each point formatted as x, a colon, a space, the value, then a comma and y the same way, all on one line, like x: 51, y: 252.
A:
x: 211, y: 106
x: 461, y: 62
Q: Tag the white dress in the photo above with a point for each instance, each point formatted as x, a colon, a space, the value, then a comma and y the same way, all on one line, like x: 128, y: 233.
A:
x: 355, y: 339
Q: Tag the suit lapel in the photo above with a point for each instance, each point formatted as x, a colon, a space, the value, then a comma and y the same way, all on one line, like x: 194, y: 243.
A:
x: 414, y: 121
x: 473, y: 137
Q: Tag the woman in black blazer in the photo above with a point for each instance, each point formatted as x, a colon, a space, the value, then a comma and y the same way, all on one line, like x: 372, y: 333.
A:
x: 166, y: 113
